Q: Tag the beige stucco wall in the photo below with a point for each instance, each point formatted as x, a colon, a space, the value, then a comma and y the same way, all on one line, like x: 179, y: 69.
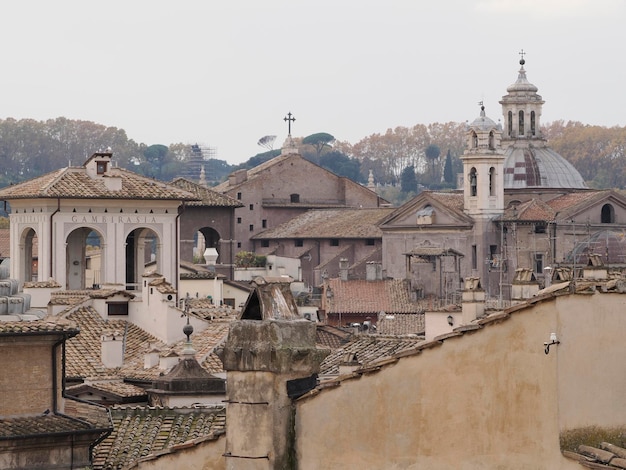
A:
x: 485, y: 400
x: 205, y: 455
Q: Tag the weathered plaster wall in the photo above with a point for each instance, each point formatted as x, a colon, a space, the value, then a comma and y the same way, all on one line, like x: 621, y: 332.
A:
x: 485, y: 400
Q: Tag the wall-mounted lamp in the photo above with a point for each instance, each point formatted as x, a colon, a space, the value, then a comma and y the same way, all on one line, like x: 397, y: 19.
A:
x: 552, y: 341
x: 450, y: 320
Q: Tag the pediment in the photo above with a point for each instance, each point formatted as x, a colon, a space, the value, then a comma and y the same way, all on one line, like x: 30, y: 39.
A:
x: 429, y: 210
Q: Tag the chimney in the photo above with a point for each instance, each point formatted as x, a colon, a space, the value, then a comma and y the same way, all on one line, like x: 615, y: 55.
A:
x: 112, y: 349
x: 373, y: 271
x: 472, y: 300
x: 343, y: 269
x: 151, y: 358
x: 349, y: 363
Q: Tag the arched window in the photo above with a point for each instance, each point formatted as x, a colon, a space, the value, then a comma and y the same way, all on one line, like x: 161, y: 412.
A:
x: 532, y: 123
x: 521, y: 123
x: 492, y: 144
x: 474, y: 140
x: 510, y: 124
x: 607, y: 216
x: 473, y: 182
x: 492, y: 181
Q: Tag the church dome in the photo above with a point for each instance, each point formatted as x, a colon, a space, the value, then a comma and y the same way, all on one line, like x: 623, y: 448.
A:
x: 539, y: 167
x: 529, y: 162
x: 483, y: 122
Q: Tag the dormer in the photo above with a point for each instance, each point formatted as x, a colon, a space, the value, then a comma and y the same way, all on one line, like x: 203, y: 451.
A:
x: 98, y: 164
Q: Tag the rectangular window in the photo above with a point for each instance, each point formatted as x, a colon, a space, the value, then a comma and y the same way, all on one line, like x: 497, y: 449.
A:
x: 251, y: 207
x: 229, y: 302
x: 370, y: 242
x: 264, y: 223
x: 540, y: 228
x: 238, y: 244
x: 117, y: 308
x: 251, y: 228
x: 539, y: 263
x: 299, y: 243
x: 334, y: 242
x: 474, y: 257
x: 238, y: 220
x: 239, y: 196
x: 265, y: 243
x: 101, y: 168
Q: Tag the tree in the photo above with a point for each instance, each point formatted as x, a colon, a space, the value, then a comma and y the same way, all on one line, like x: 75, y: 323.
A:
x: 408, y: 180
x: 342, y: 165
x: 156, y: 156
x: 267, y: 142
x: 448, y: 175
x: 318, y: 141
x: 432, y: 153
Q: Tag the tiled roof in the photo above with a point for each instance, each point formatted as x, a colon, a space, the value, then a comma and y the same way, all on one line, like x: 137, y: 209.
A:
x: 115, y: 387
x: 163, y: 286
x: 532, y: 210
x: 453, y: 200
x: 48, y: 325
x: 575, y: 199
x: 253, y: 172
x: 74, y: 183
x: 606, y: 456
x: 331, y: 223
x: 51, y: 283
x: 206, y: 197
x: 37, y: 425
x: 359, y: 296
x: 401, y: 324
x: 84, y: 356
x: 331, y: 336
x: 368, y: 348
x: 141, y: 432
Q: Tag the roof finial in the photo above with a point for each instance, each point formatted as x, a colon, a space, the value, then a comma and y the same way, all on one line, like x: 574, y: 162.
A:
x: 482, y: 108
x: 522, y: 61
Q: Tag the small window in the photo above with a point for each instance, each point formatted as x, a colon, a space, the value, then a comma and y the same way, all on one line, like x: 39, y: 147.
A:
x: 474, y: 257
x: 230, y: 302
x: 265, y: 243
x: 492, y: 181
x: 238, y: 244
x: 264, y: 223
x: 539, y: 263
x: 370, y: 242
x: 607, y: 216
x: 117, y: 308
x: 521, y: 123
x: 239, y: 196
x: 299, y: 242
x: 251, y: 207
x: 540, y: 228
x: 473, y: 182
x: 510, y: 123
x: 251, y: 228
x: 295, y: 198
x: 334, y: 242
x: 101, y: 167
x: 238, y: 220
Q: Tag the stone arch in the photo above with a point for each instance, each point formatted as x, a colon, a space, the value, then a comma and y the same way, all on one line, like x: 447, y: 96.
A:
x: 473, y: 178
x: 206, y: 237
x: 85, y: 258
x: 29, y: 262
x: 143, y: 253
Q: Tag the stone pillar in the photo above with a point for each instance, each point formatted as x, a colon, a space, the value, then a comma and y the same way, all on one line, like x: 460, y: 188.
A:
x: 269, y: 362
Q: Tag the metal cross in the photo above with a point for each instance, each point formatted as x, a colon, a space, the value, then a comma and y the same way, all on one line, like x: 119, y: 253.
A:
x: 522, y: 53
x: 289, y: 120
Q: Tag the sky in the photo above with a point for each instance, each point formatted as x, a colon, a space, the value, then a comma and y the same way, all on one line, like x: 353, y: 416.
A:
x: 225, y: 73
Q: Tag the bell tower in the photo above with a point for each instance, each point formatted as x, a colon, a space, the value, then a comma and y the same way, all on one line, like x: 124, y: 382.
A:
x: 483, y: 167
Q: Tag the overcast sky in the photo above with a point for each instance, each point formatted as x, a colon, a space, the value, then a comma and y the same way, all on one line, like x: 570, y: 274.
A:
x: 225, y: 73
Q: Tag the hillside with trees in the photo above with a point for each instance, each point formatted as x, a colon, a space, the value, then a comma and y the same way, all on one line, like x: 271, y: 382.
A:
x: 403, y: 160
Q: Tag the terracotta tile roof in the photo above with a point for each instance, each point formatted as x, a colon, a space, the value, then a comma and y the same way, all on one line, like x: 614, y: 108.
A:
x: 140, y: 432
x: 331, y: 223
x: 206, y: 197
x: 331, y: 336
x: 359, y: 296
x: 36, y: 425
x: 368, y: 348
x: 532, y: 210
x: 607, y: 456
x: 51, y: 283
x: 163, y: 286
x: 254, y: 172
x: 74, y: 183
x: 453, y: 200
x: 48, y: 325
x: 401, y: 324
x: 112, y: 387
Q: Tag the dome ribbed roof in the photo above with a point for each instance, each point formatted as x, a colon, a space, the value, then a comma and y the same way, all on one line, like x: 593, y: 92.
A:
x: 530, y: 167
x: 483, y: 123
x: 522, y: 83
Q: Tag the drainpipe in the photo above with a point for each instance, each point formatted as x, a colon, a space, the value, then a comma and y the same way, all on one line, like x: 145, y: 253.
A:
x: 58, y: 209
x: 177, y: 245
